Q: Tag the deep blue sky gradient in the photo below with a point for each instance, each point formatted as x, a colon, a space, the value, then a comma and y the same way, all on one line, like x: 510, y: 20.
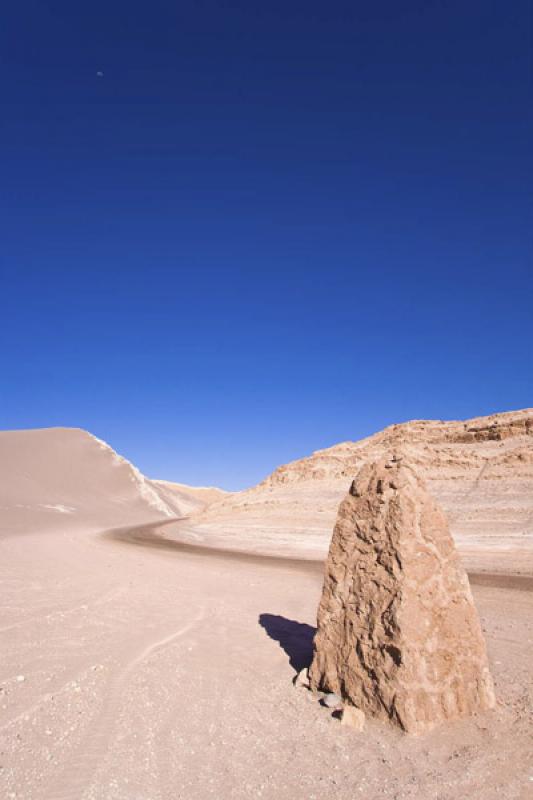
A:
x: 268, y: 227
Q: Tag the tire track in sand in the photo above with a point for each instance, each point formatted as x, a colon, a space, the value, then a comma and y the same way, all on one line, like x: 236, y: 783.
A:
x: 80, y: 778
x: 112, y: 594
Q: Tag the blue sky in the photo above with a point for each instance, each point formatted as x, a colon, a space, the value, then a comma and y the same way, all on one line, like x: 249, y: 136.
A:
x: 267, y: 228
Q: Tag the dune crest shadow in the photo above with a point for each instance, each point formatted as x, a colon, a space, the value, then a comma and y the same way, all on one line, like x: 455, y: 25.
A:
x: 295, y: 638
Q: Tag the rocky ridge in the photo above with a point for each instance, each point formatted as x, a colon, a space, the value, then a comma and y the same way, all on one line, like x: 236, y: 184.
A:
x: 479, y: 470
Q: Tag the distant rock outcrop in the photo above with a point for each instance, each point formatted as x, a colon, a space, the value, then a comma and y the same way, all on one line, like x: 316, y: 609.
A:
x: 480, y: 471
x: 434, y: 443
x: 398, y: 633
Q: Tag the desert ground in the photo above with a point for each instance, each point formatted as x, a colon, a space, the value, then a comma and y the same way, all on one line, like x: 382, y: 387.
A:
x: 150, y: 632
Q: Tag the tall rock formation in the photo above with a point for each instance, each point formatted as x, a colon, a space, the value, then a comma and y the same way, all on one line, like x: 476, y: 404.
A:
x: 398, y: 634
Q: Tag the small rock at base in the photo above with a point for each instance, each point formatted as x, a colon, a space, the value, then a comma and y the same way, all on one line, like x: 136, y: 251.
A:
x: 332, y: 700
x: 302, y: 678
x: 353, y: 717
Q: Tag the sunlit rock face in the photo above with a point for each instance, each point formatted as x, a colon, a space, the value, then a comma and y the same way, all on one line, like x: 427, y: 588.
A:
x: 398, y: 633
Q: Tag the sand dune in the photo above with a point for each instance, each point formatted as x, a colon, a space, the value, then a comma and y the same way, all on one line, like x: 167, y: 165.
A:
x: 189, y: 499
x: 66, y: 478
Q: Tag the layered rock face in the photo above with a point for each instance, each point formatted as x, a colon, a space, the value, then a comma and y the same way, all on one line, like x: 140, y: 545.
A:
x: 398, y: 634
x: 479, y: 470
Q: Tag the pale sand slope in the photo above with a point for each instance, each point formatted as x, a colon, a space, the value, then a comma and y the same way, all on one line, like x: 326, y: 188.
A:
x: 159, y: 674
x: 66, y: 478
x: 189, y: 499
x: 481, y: 471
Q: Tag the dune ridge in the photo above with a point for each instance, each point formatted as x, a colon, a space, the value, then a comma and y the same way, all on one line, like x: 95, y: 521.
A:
x: 66, y: 477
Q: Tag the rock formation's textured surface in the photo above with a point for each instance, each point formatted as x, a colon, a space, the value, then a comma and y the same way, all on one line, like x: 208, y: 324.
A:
x: 479, y: 470
x: 398, y: 634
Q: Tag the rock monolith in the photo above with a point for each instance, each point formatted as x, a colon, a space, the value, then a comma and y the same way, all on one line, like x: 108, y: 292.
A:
x: 398, y: 633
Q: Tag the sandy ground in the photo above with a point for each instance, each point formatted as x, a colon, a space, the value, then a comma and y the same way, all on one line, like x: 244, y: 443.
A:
x: 134, y: 669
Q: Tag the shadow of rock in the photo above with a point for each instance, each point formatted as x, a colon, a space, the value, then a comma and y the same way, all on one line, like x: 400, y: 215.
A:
x: 295, y: 638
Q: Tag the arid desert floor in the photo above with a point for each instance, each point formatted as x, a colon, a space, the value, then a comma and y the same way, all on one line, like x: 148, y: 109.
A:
x: 136, y: 667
